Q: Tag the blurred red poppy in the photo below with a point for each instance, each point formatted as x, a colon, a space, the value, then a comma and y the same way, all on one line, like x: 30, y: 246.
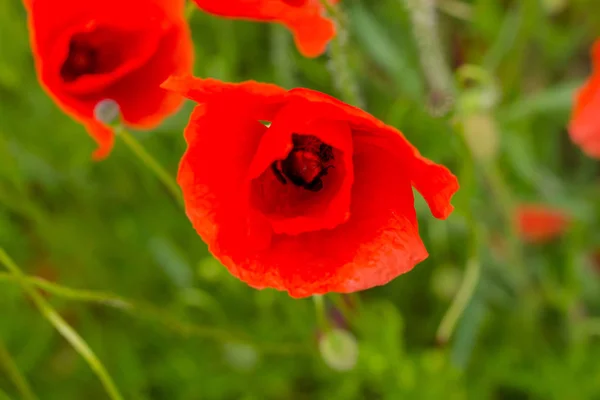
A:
x: 319, y: 200
x: 537, y: 223
x: 89, y: 51
x: 312, y: 31
x: 585, y: 121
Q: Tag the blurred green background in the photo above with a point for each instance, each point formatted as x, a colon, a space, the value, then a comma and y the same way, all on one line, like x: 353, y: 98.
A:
x: 188, y: 330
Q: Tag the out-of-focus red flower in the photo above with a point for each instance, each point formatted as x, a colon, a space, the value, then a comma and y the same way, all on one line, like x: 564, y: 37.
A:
x: 319, y: 201
x: 92, y: 50
x: 585, y: 121
x: 537, y: 223
x: 312, y: 31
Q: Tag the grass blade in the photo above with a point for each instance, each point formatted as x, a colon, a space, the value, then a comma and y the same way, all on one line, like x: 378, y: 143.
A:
x: 62, y: 327
x: 14, y: 374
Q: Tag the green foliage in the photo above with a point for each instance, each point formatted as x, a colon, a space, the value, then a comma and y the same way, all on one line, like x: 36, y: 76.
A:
x: 176, y: 325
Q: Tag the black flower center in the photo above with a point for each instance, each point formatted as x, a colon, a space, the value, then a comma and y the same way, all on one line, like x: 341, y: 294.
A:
x: 82, y: 60
x: 100, y: 51
x: 306, y: 164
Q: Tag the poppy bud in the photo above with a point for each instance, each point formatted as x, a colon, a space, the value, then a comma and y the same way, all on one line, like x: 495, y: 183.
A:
x: 107, y: 111
x: 339, y: 349
x: 241, y: 356
x: 481, y: 134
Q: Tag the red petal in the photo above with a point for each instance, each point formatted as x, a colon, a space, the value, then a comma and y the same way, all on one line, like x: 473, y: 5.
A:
x: 378, y: 243
x: 584, y: 127
x: 104, y: 136
x: 538, y: 223
x: 213, y: 171
x: 435, y: 182
x: 258, y: 100
x: 311, y: 30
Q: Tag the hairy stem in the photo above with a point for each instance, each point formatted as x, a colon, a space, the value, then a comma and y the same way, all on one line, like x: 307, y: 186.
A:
x: 339, y: 63
x: 435, y: 68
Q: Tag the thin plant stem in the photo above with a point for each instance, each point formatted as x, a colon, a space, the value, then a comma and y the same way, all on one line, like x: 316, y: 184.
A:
x: 435, y: 68
x: 456, y: 8
x: 155, y: 314
x: 190, y: 8
x: 14, y: 374
x: 342, y: 306
x: 593, y: 326
x: 472, y: 273
x: 460, y: 301
x: 341, y: 70
x: 320, y: 313
x: 62, y: 327
x: 3, y: 395
x: 281, y: 56
x: 150, y: 162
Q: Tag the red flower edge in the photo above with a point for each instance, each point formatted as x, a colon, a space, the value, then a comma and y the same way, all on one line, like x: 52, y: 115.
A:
x: 355, y: 231
x: 304, y: 18
x: 584, y: 127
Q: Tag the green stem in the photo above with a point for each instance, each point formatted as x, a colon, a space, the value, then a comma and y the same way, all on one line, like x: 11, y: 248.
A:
x: 62, y: 327
x: 281, y: 56
x: 154, y: 314
x: 189, y: 9
x: 320, y: 313
x: 435, y: 68
x: 341, y: 70
x: 3, y: 395
x: 592, y: 326
x: 460, y: 301
x: 12, y: 370
x: 456, y: 9
x: 150, y: 162
x: 341, y: 305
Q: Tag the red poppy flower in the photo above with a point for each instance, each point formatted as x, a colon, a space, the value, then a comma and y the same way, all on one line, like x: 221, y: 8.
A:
x: 585, y: 121
x: 538, y: 223
x: 312, y: 31
x: 89, y: 51
x: 319, y: 201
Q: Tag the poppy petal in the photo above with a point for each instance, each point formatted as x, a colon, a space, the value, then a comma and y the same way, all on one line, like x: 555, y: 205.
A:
x: 212, y: 181
x: 104, y: 136
x: 584, y: 127
x: 435, y: 182
x: 311, y: 29
x: 259, y: 100
x: 377, y: 244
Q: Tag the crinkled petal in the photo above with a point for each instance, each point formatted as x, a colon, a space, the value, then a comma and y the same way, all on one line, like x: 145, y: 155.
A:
x: 435, y: 182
